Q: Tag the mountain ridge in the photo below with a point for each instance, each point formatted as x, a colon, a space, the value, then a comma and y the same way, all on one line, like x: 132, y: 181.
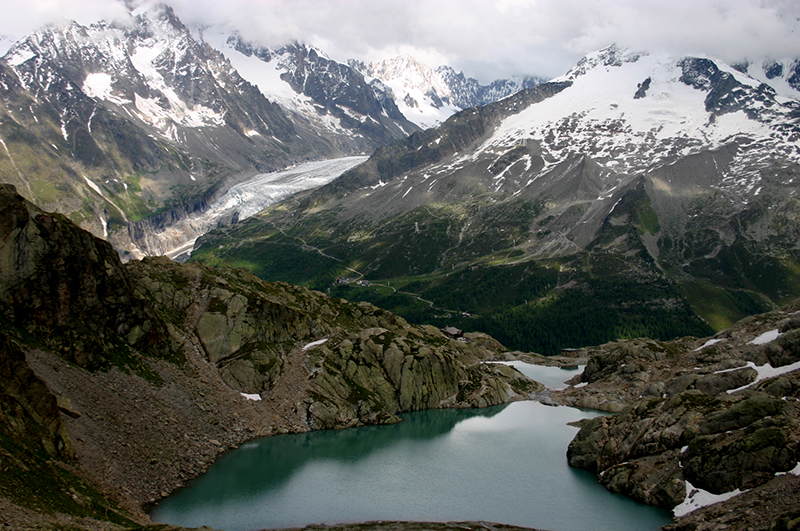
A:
x: 692, y: 183
x: 428, y: 96
x: 131, y: 126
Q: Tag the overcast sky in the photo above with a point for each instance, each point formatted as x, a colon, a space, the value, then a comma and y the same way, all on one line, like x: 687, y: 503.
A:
x: 487, y: 39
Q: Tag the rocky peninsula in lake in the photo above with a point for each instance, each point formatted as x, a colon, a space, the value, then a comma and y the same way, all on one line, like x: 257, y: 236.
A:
x: 699, y: 421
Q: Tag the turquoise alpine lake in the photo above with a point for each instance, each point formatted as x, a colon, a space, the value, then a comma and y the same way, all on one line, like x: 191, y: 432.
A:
x: 504, y: 464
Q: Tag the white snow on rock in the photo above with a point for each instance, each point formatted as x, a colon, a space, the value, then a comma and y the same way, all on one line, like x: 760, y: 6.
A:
x: 795, y: 471
x: 98, y: 86
x: 765, y: 372
x: 598, y: 116
x: 178, y: 111
x: 412, y: 84
x: 19, y: 56
x: 697, y: 498
x: 253, y: 397
x: 708, y: 343
x: 314, y: 344
x: 766, y: 337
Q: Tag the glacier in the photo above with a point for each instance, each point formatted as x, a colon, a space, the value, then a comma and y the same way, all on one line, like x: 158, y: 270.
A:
x: 244, y: 200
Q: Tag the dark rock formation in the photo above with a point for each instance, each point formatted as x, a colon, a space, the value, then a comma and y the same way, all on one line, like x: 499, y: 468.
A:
x: 641, y: 89
x: 68, y: 290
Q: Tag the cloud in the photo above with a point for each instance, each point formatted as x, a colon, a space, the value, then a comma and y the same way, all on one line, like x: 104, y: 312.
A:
x: 500, y: 38
x: 19, y: 18
x: 486, y: 39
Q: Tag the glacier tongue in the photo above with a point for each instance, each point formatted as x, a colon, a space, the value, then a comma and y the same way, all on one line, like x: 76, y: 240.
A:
x: 254, y: 195
x: 244, y: 200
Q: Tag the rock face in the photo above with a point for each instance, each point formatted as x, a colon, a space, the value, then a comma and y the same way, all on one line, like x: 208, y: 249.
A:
x: 67, y: 289
x: 697, y: 415
x: 121, y: 382
x: 349, y: 363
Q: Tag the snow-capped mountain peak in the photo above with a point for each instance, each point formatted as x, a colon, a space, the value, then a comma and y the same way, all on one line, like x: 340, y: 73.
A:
x: 635, y: 111
x: 611, y: 55
x: 428, y: 96
x: 144, y: 66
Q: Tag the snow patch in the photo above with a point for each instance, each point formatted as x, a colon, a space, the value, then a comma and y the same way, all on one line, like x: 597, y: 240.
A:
x: 93, y: 186
x: 314, y: 344
x: 253, y: 397
x: 795, y: 471
x: 697, y: 498
x: 19, y: 56
x: 105, y: 227
x: 98, y: 86
x: 766, y: 337
x: 767, y: 371
x: 708, y: 344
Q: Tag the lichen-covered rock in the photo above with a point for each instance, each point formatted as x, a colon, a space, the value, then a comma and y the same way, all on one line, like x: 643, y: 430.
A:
x: 718, y: 443
x: 368, y: 365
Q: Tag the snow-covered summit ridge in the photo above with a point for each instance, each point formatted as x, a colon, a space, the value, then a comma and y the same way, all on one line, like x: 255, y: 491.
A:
x: 428, y: 96
x: 633, y: 112
x: 305, y: 81
x: 144, y: 64
x: 782, y: 75
x: 611, y: 55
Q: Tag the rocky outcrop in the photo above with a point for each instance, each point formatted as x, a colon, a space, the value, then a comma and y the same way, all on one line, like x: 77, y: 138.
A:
x: 721, y: 415
x: 122, y: 382
x: 355, y: 362
x: 29, y: 412
x: 67, y: 289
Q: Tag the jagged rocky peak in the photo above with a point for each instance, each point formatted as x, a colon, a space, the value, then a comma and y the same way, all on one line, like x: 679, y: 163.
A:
x: 413, y: 72
x: 149, y: 64
x: 428, y: 96
x: 333, y: 97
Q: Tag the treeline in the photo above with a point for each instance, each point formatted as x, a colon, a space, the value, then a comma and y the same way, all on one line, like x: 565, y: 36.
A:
x: 592, y: 313
x: 593, y: 316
